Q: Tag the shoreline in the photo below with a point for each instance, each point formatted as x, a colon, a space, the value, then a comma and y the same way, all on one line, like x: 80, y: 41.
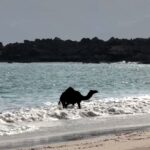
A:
x: 73, y: 130
x: 132, y: 140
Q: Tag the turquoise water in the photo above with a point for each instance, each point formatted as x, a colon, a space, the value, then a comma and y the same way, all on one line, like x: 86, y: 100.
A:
x: 29, y: 93
x: 30, y: 85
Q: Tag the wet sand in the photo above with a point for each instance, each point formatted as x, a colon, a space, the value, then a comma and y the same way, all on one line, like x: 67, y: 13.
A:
x: 124, y: 141
x: 116, y: 132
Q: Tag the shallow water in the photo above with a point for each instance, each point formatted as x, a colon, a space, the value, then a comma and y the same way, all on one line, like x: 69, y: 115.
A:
x: 35, y: 83
x: 30, y: 92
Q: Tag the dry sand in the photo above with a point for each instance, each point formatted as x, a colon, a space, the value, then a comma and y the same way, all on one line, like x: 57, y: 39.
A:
x: 125, y: 141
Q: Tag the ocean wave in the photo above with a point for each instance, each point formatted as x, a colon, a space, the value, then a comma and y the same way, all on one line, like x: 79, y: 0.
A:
x: 10, y: 121
x: 51, y: 111
x: 10, y: 129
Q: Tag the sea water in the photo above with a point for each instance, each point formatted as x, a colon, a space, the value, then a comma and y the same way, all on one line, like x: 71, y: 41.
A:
x: 29, y: 92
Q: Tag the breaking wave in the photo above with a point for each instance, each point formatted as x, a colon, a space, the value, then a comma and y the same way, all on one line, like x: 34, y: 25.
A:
x: 12, y: 122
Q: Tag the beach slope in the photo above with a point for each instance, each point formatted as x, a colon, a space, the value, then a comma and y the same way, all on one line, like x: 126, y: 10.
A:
x: 72, y: 130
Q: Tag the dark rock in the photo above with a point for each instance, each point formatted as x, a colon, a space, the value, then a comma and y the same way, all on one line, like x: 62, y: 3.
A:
x: 86, y: 51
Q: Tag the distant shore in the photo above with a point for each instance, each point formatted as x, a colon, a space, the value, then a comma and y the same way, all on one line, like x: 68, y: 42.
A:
x: 86, y: 51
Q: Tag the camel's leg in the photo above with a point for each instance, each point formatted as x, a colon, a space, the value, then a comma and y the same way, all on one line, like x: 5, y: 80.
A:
x: 79, y: 105
x: 64, y: 104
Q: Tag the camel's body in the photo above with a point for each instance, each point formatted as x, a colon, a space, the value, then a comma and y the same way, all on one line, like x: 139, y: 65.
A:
x: 70, y: 96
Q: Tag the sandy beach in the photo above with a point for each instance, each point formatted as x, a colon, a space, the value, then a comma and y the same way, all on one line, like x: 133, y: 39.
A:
x: 139, y: 140
x: 127, y: 132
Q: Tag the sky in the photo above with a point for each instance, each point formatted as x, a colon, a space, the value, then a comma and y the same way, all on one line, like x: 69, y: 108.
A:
x: 73, y: 19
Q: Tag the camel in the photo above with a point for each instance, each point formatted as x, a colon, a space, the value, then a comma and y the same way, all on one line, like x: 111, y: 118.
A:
x: 71, y: 96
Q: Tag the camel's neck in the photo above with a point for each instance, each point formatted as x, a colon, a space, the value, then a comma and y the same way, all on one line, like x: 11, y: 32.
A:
x: 88, y: 96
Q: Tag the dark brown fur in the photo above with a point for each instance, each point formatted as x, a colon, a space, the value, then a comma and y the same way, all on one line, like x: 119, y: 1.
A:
x: 71, y: 96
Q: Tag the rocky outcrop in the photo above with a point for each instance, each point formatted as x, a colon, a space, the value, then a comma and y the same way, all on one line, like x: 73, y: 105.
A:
x: 87, y: 50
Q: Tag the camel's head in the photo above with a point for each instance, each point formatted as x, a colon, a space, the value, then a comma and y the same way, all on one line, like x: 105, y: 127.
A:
x: 93, y: 91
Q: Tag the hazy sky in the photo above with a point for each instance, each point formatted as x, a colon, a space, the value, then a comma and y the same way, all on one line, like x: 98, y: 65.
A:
x: 73, y: 19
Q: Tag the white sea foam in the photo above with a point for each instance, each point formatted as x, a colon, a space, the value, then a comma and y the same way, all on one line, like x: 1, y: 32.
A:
x: 10, y: 129
x: 14, y: 122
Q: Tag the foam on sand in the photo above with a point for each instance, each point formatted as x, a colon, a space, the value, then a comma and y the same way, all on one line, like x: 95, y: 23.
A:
x: 22, y: 120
